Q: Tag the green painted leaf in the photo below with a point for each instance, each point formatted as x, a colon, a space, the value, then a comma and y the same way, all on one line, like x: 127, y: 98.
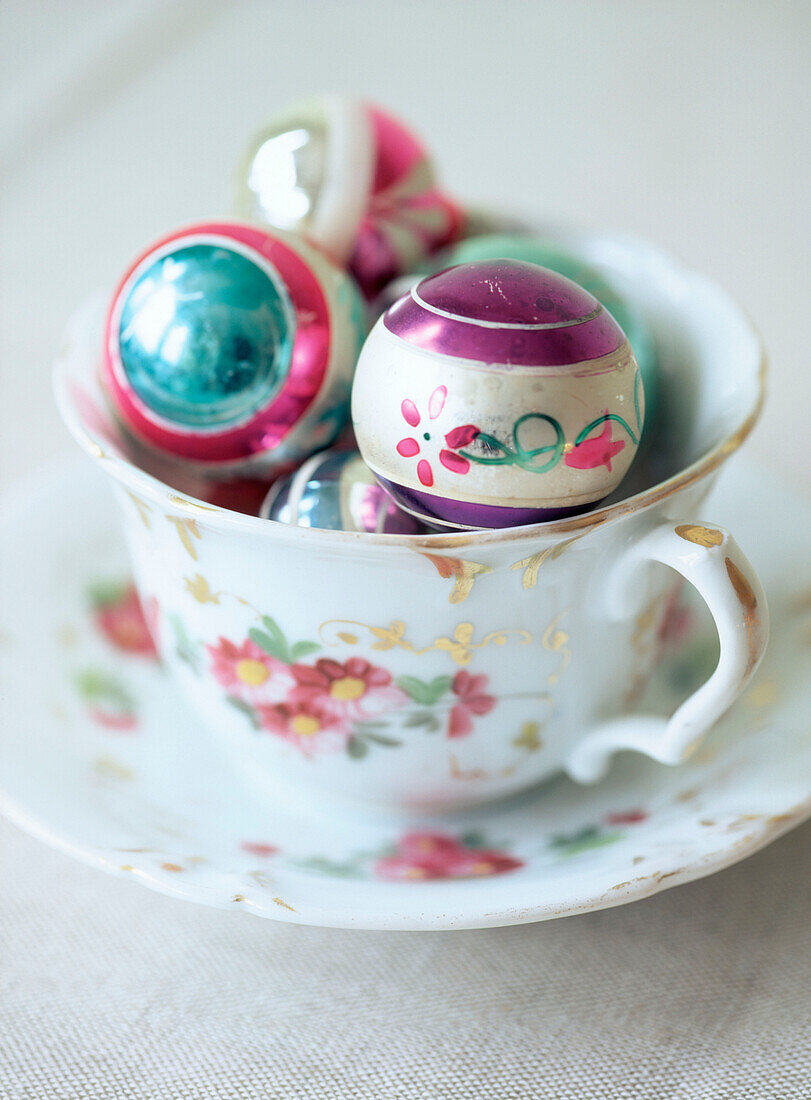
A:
x: 423, y: 719
x: 276, y: 633
x: 389, y: 742
x: 303, y: 649
x: 97, y: 686
x: 105, y: 593
x: 590, y: 837
x: 323, y: 866
x: 473, y: 839
x: 185, y: 648
x: 273, y: 643
x: 418, y: 718
x: 369, y: 724
x: 426, y: 693
x: 356, y: 748
x: 244, y: 708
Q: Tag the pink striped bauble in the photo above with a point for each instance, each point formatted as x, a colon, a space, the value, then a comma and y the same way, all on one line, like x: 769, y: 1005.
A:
x: 355, y: 180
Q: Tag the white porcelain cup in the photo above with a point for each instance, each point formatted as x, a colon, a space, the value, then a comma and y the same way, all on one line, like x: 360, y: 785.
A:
x: 444, y: 670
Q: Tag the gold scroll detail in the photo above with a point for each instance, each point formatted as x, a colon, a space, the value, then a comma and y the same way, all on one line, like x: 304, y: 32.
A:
x: 532, y: 564
x: 199, y: 587
x: 463, y: 572
x: 142, y: 507
x: 186, y: 530
x: 459, y: 647
x: 529, y: 738
x: 555, y: 640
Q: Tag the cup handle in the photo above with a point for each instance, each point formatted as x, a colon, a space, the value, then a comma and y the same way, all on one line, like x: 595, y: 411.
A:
x: 710, y: 559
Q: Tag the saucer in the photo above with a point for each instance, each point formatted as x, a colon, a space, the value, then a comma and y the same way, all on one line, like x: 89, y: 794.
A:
x: 100, y: 757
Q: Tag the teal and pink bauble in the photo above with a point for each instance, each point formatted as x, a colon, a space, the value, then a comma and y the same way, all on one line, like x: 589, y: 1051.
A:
x: 336, y: 491
x: 232, y: 347
x: 497, y: 393
x: 352, y: 178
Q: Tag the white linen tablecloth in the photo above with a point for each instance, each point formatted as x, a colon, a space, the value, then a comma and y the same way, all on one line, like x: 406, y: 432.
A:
x: 684, y: 123
x: 112, y: 991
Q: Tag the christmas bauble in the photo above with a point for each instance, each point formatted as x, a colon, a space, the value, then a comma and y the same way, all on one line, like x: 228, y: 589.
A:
x: 336, y: 490
x: 522, y: 246
x: 355, y: 180
x: 497, y: 393
x: 230, y: 346
x: 515, y: 246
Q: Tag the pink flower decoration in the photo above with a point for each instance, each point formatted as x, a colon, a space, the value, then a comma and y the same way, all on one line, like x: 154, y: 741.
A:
x: 409, y: 447
x: 120, y: 618
x: 473, y: 700
x: 457, y: 464
x: 411, y: 414
x: 597, y: 451
x: 423, y: 856
x: 462, y: 436
x: 307, y: 724
x: 626, y: 817
x: 258, y: 848
x: 122, y: 721
x: 352, y: 690
x: 425, y: 473
x: 250, y: 673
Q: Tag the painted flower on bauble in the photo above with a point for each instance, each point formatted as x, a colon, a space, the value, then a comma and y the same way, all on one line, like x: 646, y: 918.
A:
x: 413, y: 446
x: 595, y: 450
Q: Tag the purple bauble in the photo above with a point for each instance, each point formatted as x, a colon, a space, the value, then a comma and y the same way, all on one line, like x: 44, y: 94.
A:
x: 497, y: 393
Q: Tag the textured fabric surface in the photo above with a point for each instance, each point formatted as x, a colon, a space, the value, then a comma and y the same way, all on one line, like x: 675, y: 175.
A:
x: 108, y: 990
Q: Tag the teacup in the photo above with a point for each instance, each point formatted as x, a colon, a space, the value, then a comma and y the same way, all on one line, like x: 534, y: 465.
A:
x: 442, y: 670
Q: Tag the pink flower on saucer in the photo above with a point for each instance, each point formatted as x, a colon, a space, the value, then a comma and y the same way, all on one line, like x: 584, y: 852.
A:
x: 421, y: 856
x: 626, y: 817
x: 259, y: 848
x: 410, y: 446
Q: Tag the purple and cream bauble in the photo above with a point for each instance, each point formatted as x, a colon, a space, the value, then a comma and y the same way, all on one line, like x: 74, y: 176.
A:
x: 233, y: 348
x: 497, y: 393
x: 336, y: 491
x: 353, y: 179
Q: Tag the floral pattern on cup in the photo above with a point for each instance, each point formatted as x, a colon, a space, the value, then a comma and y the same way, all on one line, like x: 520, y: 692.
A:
x: 327, y: 705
